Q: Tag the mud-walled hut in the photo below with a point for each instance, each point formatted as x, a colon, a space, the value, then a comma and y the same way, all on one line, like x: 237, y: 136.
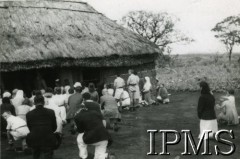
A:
x: 65, y: 39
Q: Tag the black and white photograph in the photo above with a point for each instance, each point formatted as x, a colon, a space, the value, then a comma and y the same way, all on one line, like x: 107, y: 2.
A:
x: 120, y: 79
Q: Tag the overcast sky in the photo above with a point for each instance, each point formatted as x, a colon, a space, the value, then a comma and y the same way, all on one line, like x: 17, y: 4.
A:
x: 197, y: 18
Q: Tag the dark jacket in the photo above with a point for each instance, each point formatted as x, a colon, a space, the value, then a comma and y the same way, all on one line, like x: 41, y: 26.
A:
x: 8, y: 107
x: 93, y: 106
x: 206, y: 105
x: 42, y: 125
x: 90, y: 123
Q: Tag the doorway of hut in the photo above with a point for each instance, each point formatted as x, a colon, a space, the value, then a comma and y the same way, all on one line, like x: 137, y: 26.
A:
x: 29, y: 80
x: 23, y: 80
x: 49, y: 76
x: 91, y: 75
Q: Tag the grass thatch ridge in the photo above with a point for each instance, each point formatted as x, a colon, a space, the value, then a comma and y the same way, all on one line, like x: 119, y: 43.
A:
x: 110, y: 61
x: 36, y: 34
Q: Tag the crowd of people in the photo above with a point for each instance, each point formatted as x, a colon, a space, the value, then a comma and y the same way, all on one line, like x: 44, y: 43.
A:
x: 38, y: 122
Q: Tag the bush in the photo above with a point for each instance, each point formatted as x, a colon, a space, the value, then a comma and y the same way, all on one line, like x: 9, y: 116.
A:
x: 187, y: 78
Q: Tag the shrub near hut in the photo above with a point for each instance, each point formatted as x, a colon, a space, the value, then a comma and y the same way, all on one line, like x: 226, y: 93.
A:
x: 185, y: 76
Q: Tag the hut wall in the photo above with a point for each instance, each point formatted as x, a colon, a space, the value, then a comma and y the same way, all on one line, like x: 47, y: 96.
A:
x: 143, y: 70
x: 109, y: 74
x: 27, y: 80
x: 76, y: 74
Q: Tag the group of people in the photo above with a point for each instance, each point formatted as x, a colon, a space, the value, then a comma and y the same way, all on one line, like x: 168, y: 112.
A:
x: 38, y: 122
x: 138, y: 92
x: 211, y: 113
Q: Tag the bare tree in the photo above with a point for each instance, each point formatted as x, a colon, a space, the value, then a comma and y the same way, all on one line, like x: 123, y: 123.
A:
x: 228, y: 31
x: 158, y: 28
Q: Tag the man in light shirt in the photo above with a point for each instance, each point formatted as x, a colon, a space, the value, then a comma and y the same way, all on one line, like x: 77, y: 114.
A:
x: 133, y: 88
x: 119, y: 84
x: 16, y: 129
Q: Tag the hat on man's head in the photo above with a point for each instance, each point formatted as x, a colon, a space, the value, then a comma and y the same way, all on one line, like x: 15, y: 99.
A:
x: 77, y: 84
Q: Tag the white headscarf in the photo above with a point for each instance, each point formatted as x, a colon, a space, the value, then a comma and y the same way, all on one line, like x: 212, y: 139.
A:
x: 19, y: 94
x: 18, y: 99
x: 7, y: 94
x: 147, y: 86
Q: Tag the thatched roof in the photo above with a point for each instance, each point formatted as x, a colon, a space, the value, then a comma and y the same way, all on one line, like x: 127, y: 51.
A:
x: 37, y: 34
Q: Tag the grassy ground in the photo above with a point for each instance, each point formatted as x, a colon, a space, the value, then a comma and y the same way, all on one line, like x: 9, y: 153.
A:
x: 132, y: 140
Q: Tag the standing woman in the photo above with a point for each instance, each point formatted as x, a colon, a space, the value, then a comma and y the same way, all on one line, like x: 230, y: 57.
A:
x: 206, y: 112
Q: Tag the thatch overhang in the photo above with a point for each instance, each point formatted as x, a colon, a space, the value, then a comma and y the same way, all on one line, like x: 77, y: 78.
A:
x: 41, y: 34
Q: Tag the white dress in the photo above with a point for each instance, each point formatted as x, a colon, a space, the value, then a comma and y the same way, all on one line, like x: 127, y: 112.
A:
x: 208, y: 125
x: 230, y: 114
x: 125, y: 99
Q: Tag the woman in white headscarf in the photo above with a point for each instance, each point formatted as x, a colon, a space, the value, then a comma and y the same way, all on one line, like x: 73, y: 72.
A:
x: 18, y: 99
x: 229, y: 113
x: 147, y: 91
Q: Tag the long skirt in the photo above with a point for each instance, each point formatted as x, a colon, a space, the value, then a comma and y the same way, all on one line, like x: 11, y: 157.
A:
x: 208, y: 125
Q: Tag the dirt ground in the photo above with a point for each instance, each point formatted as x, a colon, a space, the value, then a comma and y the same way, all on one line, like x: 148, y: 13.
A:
x: 132, y: 140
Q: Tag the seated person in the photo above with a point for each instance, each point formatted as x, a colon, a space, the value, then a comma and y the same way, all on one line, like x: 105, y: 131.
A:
x: 124, y: 100
x: 163, y: 95
x: 229, y: 112
x: 16, y: 129
x: 146, y: 91
x: 110, y: 110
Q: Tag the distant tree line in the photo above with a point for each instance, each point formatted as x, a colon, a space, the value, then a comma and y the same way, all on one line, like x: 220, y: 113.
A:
x: 160, y: 29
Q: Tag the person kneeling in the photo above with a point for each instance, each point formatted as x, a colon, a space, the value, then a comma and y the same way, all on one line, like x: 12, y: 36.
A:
x: 91, y: 128
x: 16, y: 129
x: 124, y: 100
x: 163, y: 95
